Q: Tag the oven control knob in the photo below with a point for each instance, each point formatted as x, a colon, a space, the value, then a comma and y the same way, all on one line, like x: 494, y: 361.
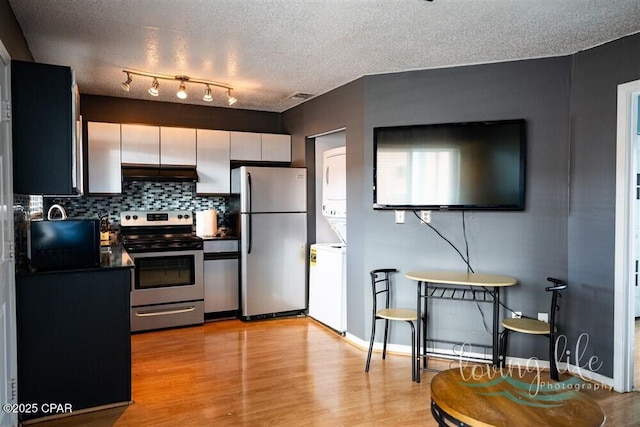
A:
x: 135, y: 217
x: 186, y: 217
x: 179, y: 216
x: 127, y: 217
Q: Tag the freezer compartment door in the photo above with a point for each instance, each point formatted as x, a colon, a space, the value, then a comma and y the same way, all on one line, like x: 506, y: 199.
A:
x: 267, y: 189
x: 273, y: 272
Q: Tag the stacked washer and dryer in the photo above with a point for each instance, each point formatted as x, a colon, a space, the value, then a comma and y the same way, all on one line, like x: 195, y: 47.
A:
x: 327, y: 264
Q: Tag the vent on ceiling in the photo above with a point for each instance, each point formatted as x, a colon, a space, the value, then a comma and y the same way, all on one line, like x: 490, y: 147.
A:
x: 301, y: 95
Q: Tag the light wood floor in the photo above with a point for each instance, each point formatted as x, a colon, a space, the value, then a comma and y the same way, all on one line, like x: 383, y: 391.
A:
x: 286, y: 372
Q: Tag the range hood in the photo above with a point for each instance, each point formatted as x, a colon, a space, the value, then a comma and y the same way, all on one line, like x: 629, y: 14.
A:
x: 159, y: 173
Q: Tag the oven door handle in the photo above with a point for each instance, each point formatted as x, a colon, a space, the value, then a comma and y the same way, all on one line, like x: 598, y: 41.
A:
x: 163, y: 312
x: 250, y: 214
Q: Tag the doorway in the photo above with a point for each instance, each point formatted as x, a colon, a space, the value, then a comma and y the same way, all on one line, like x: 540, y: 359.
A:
x: 626, y: 351
x: 328, y: 254
x: 8, y: 357
x: 635, y: 282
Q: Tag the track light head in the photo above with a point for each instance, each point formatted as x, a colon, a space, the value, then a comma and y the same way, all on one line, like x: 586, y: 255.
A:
x: 153, y: 90
x: 127, y: 84
x: 207, y: 94
x: 231, y: 99
x: 182, y: 91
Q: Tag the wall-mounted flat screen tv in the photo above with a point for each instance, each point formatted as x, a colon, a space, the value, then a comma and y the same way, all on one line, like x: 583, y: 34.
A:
x: 474, y: 165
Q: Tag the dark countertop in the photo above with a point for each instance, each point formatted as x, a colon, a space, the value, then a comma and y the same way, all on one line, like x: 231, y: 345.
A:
x: 111, y: 257
x: 221, y: 238
x: 114, y: 256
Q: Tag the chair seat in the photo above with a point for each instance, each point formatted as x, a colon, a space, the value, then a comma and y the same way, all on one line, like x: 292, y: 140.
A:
x: 527, y: 326
x: 405, y: 314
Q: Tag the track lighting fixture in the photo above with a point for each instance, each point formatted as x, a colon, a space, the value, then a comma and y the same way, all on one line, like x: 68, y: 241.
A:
x: 153, y: 90
x: 207, y: 94
x: 182, y: 89
x: 127, y: 85
x: 232, y: 100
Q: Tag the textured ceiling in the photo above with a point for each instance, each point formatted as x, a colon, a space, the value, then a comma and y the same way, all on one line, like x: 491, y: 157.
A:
x: 267, y: 50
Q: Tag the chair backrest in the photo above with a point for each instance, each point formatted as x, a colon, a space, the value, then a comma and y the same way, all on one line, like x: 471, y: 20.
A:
x: 558, y: 285
x: 380, y: 285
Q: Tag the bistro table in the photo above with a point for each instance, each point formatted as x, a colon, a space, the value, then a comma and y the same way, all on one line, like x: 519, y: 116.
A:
x: 483, y: 396
x: 473, y: 287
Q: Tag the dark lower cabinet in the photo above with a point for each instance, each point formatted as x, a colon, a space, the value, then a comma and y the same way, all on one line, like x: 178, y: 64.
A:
x: 74, y: 344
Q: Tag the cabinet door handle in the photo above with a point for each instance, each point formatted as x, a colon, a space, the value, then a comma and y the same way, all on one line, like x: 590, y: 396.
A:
x: 163, y: 312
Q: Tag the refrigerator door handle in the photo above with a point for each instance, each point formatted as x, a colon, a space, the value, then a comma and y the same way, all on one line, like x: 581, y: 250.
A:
x: 249, y: 214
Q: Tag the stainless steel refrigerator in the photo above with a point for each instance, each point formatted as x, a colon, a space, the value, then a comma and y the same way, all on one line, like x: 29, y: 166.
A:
x: 273, y: 243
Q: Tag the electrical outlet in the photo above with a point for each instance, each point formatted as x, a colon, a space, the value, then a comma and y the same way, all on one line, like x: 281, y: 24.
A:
x: 425, y: 216
x: 399, y: 217
x: 516, y: 314
x: 543, y: 317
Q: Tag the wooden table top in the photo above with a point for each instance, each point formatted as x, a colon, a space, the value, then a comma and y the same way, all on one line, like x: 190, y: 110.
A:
x: 462, y: 278
x: 483, y: 397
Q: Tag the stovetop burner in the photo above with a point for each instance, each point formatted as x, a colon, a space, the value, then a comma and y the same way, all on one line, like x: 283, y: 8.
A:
x: 160, y: 237
x: 156, y: 231
x: 164, y: 246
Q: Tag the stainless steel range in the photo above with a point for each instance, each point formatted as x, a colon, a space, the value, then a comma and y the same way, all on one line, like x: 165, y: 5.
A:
x: 168, y: 279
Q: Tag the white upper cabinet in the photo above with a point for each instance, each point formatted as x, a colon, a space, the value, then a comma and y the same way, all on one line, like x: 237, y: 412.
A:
x: 264, y: 147
x: 276, y: 148
x: 213, y: 167
x: 210, y: 151
x: 105, y: 176
x: 177, y: 146
x: 246, y: 146
x: 141, y: 145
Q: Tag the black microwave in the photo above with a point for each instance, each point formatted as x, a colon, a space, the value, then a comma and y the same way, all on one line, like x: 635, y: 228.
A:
x: 64, y: 244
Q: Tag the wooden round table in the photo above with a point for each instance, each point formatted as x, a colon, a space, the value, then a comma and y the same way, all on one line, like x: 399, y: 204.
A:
x: 481, y: 396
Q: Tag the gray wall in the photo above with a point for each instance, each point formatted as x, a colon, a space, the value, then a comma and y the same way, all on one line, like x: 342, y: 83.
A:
x: 529, y: 245
x: 11, y: 34
x: 567, y: 228
x: 596, y: 74
x: 340, y: 108
x: 123, y: 110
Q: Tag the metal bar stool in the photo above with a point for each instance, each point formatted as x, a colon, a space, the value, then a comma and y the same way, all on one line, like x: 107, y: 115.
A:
x: 380, y: 285
x: 526, y: 325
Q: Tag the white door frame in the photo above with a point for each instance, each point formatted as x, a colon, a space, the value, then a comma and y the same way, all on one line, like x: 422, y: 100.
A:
x: 625, y: 222
x: 8, y: 358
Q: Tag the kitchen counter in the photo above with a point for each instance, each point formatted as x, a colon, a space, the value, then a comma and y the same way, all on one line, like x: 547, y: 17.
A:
x: 73, y: 336
x: 111, y: 257
x: 114, y: 256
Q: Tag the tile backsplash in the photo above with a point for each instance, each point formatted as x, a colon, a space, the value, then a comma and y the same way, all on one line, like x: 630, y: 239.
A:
x: 136, y: 195
x: 149, y: 195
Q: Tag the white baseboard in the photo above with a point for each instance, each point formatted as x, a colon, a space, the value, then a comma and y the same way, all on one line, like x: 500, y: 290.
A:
x: 405, y: 350
x: 401, y: 349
